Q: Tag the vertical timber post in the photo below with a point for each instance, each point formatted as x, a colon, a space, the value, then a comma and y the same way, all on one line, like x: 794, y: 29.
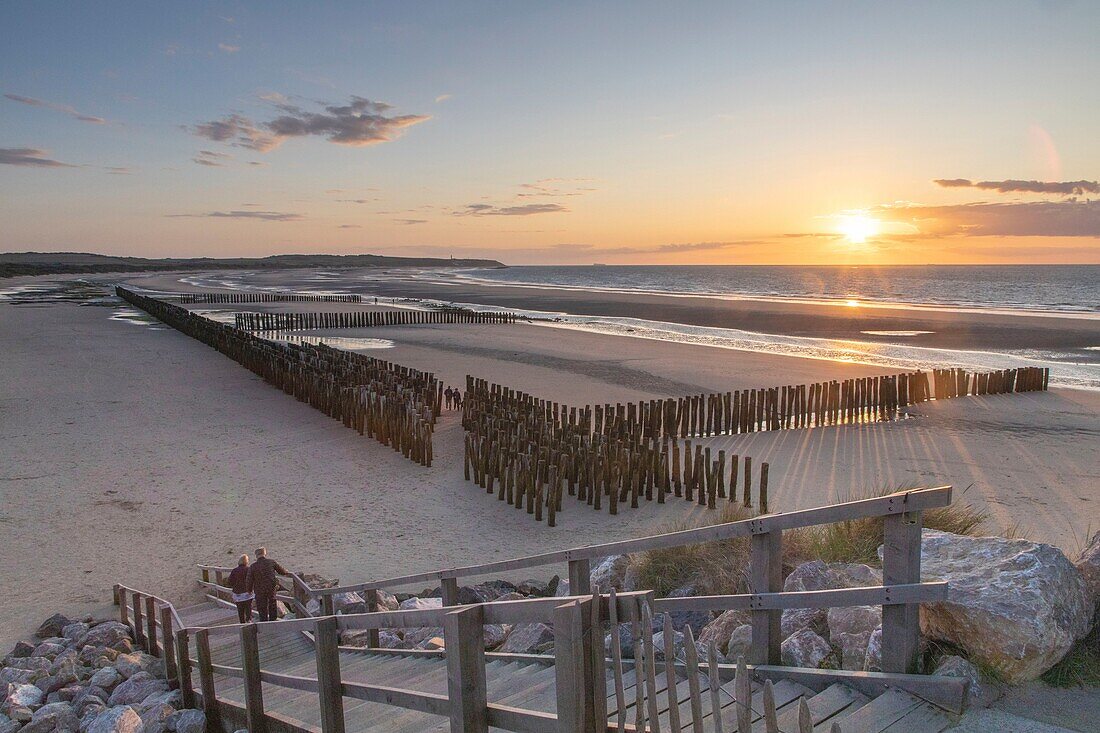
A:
x: 206, y: 679
x: 766, y: 555
x: 569, y: 667
x: 330, y: 689
x: 168, y: 636
x: 901, y: 564
x: 580, y: 577
x: 466, y: 688
x: 253, y: 687
x: 449, y: 589
x: 183, y: 665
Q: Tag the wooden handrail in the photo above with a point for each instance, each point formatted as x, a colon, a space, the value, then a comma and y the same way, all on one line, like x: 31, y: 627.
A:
x: 879, y: 506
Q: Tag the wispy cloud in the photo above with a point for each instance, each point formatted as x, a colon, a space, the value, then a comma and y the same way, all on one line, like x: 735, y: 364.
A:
x: 556, y: 187
x: 1022, y: 219
x: 1062, y: 188
x: 410, y: 222
x: 228, y: 48
x: 350, y: 226
x: 522, y: 210
x: 211, y: 158
x: 359, y: 123
x: 31, y: 158
x: 238, y: 214
x: 62, y: 108
x: 442, y: 98
x: 118, y: 170
x: 669, y: 248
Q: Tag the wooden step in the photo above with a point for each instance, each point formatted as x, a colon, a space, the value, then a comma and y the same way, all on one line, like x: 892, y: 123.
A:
x: 896, y: 711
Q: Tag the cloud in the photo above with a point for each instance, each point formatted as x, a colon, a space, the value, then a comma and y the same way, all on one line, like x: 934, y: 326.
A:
x: 555, y: 187
x: 1062, y: 188
x: 211, y: 158
x: 410, y: 222
x: 31, y: 158
x: 237, y: 214
x: 350, y: 226
x: 1021, y: 219
x: 355, y: 201
x: 442, y: 98
x: 522, y: 210
x: 669, y: 248
x: 359, y: 123
x: 227, y: 48
x: 118, y: 170
x: 62, y: 108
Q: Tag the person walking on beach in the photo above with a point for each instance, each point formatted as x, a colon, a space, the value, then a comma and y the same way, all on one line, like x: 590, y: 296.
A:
x: 241, y: 590
x: 456, y: 400
x: 448, y: 394
x: 263, y: 583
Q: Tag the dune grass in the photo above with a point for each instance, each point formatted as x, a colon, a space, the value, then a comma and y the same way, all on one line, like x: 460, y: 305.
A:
x: 1079, y: 668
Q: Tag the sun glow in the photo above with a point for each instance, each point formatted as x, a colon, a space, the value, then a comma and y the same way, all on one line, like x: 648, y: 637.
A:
x: 857, y: 228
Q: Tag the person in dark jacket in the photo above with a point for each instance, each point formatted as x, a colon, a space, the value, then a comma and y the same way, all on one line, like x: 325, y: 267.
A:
x: 262, y: 582
x: 240, y: 590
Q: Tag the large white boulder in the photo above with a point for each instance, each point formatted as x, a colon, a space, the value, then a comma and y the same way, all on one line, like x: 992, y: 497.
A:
x: 1014, y: 605
x: 1089, y: 566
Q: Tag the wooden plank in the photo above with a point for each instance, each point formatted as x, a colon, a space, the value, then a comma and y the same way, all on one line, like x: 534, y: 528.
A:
x: 449, y: 590
x: 183, y: 667
x: 766, y: 576
x: 330, y: 689
x: 880, y: 713
x: 253, y: 687
x: 569, y: 667
x: 465, y: 643
x: 580, y: 577
x: 948, y: 693
x: 206, y: 678
x: 832, y: 598
x: 901, y: 564
x: 925, y: 718
x: 169, y: 646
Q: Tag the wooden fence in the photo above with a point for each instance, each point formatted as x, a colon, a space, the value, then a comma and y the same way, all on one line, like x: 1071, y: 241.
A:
x: 534, y: 452
x: 185, y: 298
x: 364, y: 319
x: 581, y: 666
x: 393, y: 404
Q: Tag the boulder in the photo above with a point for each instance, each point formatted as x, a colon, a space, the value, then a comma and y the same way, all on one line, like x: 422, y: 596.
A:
x: 719, y: 631
x: 154, y: 718
x: 1014, y: 605
x: 119, y: 719
x: 1088, y: 564
x: 106, y: 678
x: 526, y: 638
x: 610, y: 573
x: 54, y: 716
x: 493, y: 635
x: 47, y: 649
x: 38, y: 664
x: 52, y: 626
x: 21, y: 649
x: 130, y: 664
x: 14, y: 675
x: 626, y: 642
x: 796, y: 619
x: 805, y: 649
x: 75, y: 630
x: 740, y: 643
x: 340, y: 600
x: 174, y: 698
x: 956, y: 666
x: 533, y: 588
x: 872, y: 661
x: 136, y: 689
x: 697, y: 620
x: 313, y: 607
x: 21, y: 714
x: 7, y: 725
x: 850, y: 630
x: 421, y: 604
x: 468, y: 595
x: 110, y: 634
x: 561, y: 588
x: 187, y: 721
x: 659, y: 645
x: 818, y: 575
x: 23, y: 696
x: 436, y: 642
x: 413, y: 637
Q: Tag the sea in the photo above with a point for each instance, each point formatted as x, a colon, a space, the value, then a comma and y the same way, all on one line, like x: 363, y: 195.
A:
x: 1071, y: 291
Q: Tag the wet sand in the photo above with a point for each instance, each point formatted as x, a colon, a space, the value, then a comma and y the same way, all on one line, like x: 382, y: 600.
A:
x: 131, y: 452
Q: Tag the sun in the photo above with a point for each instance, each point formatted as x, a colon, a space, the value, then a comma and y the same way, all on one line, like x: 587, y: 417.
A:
x: 857, y: 228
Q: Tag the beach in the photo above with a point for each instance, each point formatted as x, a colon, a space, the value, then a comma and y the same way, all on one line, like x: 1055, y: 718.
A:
x: 132, y: 452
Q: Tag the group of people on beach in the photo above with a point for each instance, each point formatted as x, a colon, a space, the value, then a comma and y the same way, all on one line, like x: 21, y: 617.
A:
x: 452, y: 398
x: 256, y: 583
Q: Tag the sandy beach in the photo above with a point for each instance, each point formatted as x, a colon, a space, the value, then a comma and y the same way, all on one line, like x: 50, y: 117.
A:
x: 132, y: 452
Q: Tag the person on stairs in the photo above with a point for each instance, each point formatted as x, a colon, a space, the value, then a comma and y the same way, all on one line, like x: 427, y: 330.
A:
x: 262, y: 582
x: 240, y: 590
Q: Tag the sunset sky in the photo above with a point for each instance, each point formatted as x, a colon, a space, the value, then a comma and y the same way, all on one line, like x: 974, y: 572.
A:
x: 816, y: 132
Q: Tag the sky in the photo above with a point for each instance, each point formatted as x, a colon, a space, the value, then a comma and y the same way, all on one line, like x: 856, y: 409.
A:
x: 555, y: 132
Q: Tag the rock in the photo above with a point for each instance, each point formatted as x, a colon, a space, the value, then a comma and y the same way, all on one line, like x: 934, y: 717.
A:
x: 51, y: 683
x: 513, y: 596
x: 626, y: 642
x: 817, y: 575
x: 52, y: 626
x: 1014, y: 605
x: 21, y: 714
x: 421, y: 604
x: 54, y: 716
x: 659, y: 644
x: 956, y: 666
x: 23, y: 696
x: 70, y: 693
x: 7, y: 725
x: 340, y: 600
x: 435, y: 642
x: 552, y: 588
x: 610, y: 573
x: 75, y: 630
x: 187, y: 721
x: 21, y: 649
x: 413, y: 637
x: 561, y: 588
x: 494, y: 635
x: 796, y: 619
x: 632, y: 578
x: 107, y: 678
x: 14, y: 675
x: 47, y: 649
x: 872, y: 661
x: 120, y: 719
x: 697, y: 620
x: 525, y: 638
x: 110, y: 634
x: 130, y: 664
x: 389, y: 640
x: 38, y: 664
x: 1088, y: 564
x: 174, y: 698
x: 154, y: 718
x: 740, y: 643
x: 533, y: 588
x: 136, y: 689
x: 805, y: 649
x: 471, y: 594
x: 721, y: 629
x: 313, y: 607
x: 850, y: 630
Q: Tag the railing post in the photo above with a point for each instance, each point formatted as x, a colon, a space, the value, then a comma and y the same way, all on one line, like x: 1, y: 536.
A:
x: 330, y: 689
x: 449, y: 589
x: 580, y: 577
x: 205, y: 575
x: 139, y: 628
x: 569, y: 667
x: 206, y: 679
x: 328, y: 605
x: 766, y: 556
x: 253, y: 687
x: 901, y: 564
x: 374, y: 601
x: 183, y: 665
x: 116, y: 594
x: 466, y: 689
x: 123, y: 610
x: 151, y: 623
x: 168, y: 637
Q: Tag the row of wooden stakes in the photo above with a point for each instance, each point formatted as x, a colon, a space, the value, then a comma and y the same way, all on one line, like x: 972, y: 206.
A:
x: 186, y: 298
x: 959, y: 383
x: 395, y: 405
x: 513, y: 448
x: 364, y: 319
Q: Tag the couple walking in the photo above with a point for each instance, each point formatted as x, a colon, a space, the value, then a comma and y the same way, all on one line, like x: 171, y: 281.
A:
x: 256, y: 582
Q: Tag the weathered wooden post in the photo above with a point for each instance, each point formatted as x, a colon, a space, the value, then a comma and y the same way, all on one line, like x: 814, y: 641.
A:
x: 330, y: 688
x: 253, y: 687
x: 449, y: 590
x: 151, y: 624
x: 206, y: 679
x: 139, y: 628
x: 183, y: 665
x: 466, y: 688
x: 766, y: 576
x: 901, y: 564
x: 580, y: 577
x: 168, y: 636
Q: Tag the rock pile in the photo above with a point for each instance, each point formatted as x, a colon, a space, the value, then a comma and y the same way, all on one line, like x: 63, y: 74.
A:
x: 85, y: 676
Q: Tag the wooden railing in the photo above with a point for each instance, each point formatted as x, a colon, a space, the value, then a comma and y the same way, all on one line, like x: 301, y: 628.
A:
x: 293, y: 589
x: 154, y: 623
